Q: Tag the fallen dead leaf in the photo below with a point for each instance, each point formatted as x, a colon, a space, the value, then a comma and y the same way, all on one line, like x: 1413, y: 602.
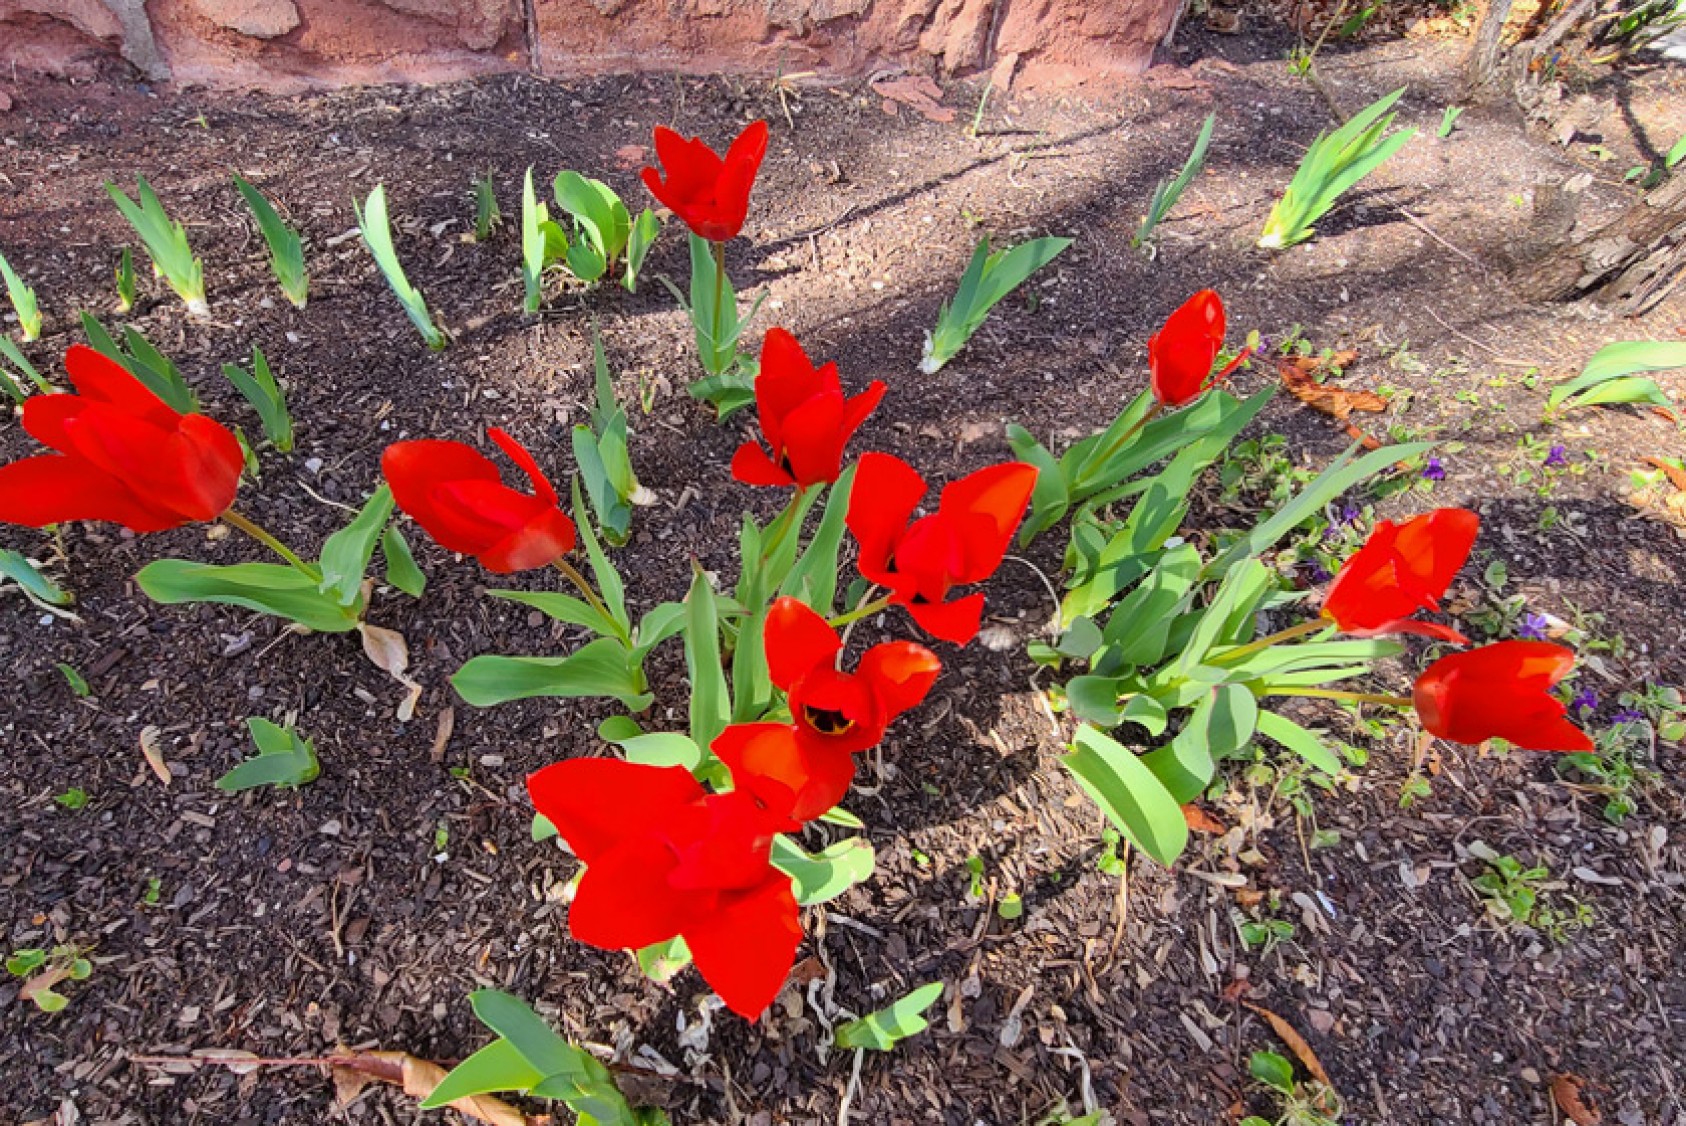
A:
x: 1296, y: 1043
x: 442, y: 733
x: 153, y: 754
x: 1566, y: 1090
x: 388, y: 651
x: 42, y: 982
x: 418, y: 1078
x: 1199, y: 821
x: 1672, y: 469
x: 1336, y: 402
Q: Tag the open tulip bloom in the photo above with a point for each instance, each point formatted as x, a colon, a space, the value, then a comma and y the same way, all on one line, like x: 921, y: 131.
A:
x: 1500, y: 691
x: 664, y: 858
x: 1401, y: 569
x: 457, y: 495
x: 1180, y: 355
x: 962, y: 542
x: 710, y: 194
x: 804, y: 416
x: 119, y: 454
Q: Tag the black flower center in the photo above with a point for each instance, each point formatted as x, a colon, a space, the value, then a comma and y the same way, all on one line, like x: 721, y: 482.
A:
x: 827, y: 722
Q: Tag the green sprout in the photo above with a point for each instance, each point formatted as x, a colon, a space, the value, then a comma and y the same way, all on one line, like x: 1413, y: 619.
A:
x: 44, y: 969
x: 166, y: 241
x: 260, y: 389
x: 23, y: 301
x: 286, y: 248
x: 989, y: 277
x: 376, y: 230
x: 127, y: 288
x: 1168, y: 192
x: 1334, y: 163
x: 543, y: 244
x: 486, y: 213
x: 285, y: 759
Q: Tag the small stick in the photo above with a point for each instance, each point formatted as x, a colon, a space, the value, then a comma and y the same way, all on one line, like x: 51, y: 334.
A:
x: 1435, y: 235
x: 1498, y: 357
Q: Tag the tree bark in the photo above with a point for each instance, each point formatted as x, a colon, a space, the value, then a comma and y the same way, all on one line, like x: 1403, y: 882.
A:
x: 1629, y: 264
x: 1483, y: 62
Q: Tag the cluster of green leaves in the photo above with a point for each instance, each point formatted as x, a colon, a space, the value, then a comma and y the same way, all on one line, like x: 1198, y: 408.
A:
x: 1615, y: 768
x: 260, y: 389
x: 43, y: 969
x: 600, y: 450
x: 1303, y: 1104
x: 1448, y: 121
x: 23, y: 301
x: 286, y: 248
x: 285, y: 759
x: 1168, y: 192
x: 1334, y: 163
x: 487, y: 217
x: 1164, y: 630
x: 1613, y: 376
x: 729, y: 382
x: 376, y: 229
x: 11, y: 384
x: 327, y: 595
x: 1512, y: 892
x: 529, y: 1058
x: 990, y: 276
x: 607, y: 242
x: 166, y: 242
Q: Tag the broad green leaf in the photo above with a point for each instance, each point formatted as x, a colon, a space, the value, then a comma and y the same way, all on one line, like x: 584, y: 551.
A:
x: 656, y: 626
x: 1147, y: 713
x: 820, y: 877
x: 14, y: 356
x: 989, y: 277
x: 166, y: 243
x: 711, y: 705
x: 1094, y: 699
x: 259, y: 388
x: 401, y: 569
x: 1133, y: 800
x: 752, y: 683
x: 21, y: 571
x: 346, y: 553
x: 268, y: 588
x: 1304, y: 743
x: 563, y: 608
x: 662, y: 748
x: 598, y: 668
x: 1238, y: 596
x: 881, y: 1031
x: 1136, y: 633
x: 1051, y: 498
x: 813, y: 578
x: 499, y: 1066
x: 515, y: 1021
x: 1273, y: 1071
x: 543, y: 828
x: 23, y: 301
x: 662, y: 961
x: 1335, y: 162
x: 284, y: 758
x: 609, y: 585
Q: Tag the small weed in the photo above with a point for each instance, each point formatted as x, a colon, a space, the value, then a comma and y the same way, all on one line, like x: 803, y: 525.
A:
x: 1414, y: 789
x: 1303, y: 1104
x: 1109, y: 862
x: 73, y: 799
x: 975, y: 889
x: 1615, y: 767
x: 1010, y: 906
x: 43, y: 969
x: 1512, y: 895
x: 154, y: 891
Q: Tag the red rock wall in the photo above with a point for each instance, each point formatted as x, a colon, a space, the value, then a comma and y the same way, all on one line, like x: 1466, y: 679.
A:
x: 298, y: 44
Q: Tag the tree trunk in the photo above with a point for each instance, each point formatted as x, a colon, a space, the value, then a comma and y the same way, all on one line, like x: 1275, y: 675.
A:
x: 1481, y: 67
x: 1629, y: 264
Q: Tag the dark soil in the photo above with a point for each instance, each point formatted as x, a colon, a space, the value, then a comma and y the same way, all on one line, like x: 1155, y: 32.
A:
x: 285, y: 924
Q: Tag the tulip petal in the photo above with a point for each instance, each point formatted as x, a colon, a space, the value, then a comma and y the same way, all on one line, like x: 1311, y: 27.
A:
x: 797, y: 641
x: 787, y: 775
x: 745, y: 950
x: 988, y: 506
x: 814, y: 438
x: 624, y: 900
x: 956, y: 621
x: 900, y: 674
x: 1180, y: 354
x: 752, y: 466
x: 99, y: 378
x: 538, y: 543
x: 1411, y: 626
x: 55, y: 489
x: 885, y: 494
x: 596, y: 803
x: 862, y: 405
x: 528, y: 465
x: 211, y: 461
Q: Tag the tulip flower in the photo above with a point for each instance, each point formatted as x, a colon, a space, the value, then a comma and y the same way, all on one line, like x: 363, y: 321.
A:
x: 1500, y: 691
x: 922, y: 560
x: 804, y: 416
x: 120, y: 454
x: 1402, y: 568
x: 457, y: 495
x: 1180, y: 355
x: 664, y: 858
x: 784, y: 771
x: 710, y: 195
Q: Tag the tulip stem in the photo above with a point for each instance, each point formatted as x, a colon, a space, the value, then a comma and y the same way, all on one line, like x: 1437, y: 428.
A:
x: 783, y: 523
x: 257, y: 532
x: 1276, y: 638
x: 1339, y: 694
x: 581, y: 584
x: 1123, y: 439
x: 719, y: 249
x: 865, y: 610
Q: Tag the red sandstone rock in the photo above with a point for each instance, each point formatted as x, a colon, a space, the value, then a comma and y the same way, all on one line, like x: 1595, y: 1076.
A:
x: 261, y: 19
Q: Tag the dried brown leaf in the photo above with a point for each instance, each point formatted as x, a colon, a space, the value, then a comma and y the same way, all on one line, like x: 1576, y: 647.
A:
x: 1296, y: 1043
x: 419, y: 1077
x: 42, y: 982
x: 1336, y: 402
x: 388, y: 651
x: 1567, y: 1091
x: 442, y: 733
x: 154, y: 754
x: 1199, y: 821
x: 1673, y: 470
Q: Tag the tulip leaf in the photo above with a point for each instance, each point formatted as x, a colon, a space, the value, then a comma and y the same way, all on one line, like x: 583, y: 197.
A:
x: 499, y: 1066
x: 662, y: 748
x: 376, y: 229
x: 1168, y: 192
x: 563, y: 608
x: 598, y: 668
x: 599, y: 216
x: 33, y: 583
x: 658, y: 624
x: 752, y: 683
x: 285, y: 759
x: 259, y: 388
x: 1132, y: 798
x: 14, y: 356
x: 614, y: 513
x: 401, y: 569
x: 662, y: 961
x: 543, y: 243
x: 1094, y: 699
x: 23, y: 301
x: 609, y: 584
x: 141, y: 360
x: 1051, y: 499
x: 166, y: 243
x: 1302, y: 742
x: 819, y: 877
x: 1609, y: 377
x: 813, y: 578
x: 286, y: 249
x: 989, y: 277
x: 268, y: 588
x: 346, y: 553
x: 711, y: 705
x: 1137, y: 632
x: 644, y: 231
x: 1335, y: 162
x: 881, y: 1031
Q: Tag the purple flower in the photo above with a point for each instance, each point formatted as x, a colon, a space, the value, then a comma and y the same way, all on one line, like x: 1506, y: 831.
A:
x: 1627, y: 715
x: 1534, y: 627
x: 1351, y: 514
x: 1586, y: 700
x: 1318, y: 573
x: 1557, y: 457
x: 1434, y: 471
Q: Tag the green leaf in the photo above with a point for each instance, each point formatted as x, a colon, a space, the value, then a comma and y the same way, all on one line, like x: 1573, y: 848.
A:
x: 376, y: 229
x: 989, y: 277
x: 284, y: 759
x: 22, y: 963
x: 286, y: 249
x: 711, y: 705
x: 1129, y: 794
x: 145, y: 363
x: 1334, y: 163
x: 259, y: 388
x: 486, y: 213
x: 23, y: 301
x: 515, y: 1021
x: 563, y: 608
x: 542, y: 828
x: 21, y: 571
x: 1051, y: 498
x: 1138, y: 632
x: 1168, y: 192
x: 346, y: 553
x: 598, y: 668
x: 1607, y: 376
x: 14, y: 356
x: 662, y: 748
x: 752, y: 683
x: 656, y: 626
x: 268, y: 588
x: 823, y: 876
x: 881, y: 1031
x: 166, y: 243
x: 644, y: 231
x: 401, y: 569
x: 499, y: 1066
x: 662, y: 961
x: 598, y: 213
x: 78, y: 683
x: 813, y: 578
x: 1304, y: 743
x: 609, y: 584
x: 1221, y: 724
x: 539, y: 244
x: 1273, y: 1071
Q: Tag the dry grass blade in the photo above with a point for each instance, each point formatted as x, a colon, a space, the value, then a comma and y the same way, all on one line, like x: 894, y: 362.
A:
x: 1566, y: 1092
x: 1296, y: 1043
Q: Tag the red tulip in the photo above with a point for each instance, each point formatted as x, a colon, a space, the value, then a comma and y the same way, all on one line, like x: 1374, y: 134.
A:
x: 664, y: 858
x: 1402, y: 568
x: 784, y: 771
x: 804, y: 415
x: 1180, y: 355
x: 710, y: 195
x: 457, y: 495
x: 121, y: 454
x: 962, y: 542
x: 1500, y: 691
